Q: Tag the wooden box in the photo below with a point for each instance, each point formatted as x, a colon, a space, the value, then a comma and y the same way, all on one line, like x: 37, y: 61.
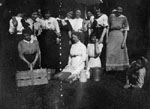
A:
x: 28, y: 78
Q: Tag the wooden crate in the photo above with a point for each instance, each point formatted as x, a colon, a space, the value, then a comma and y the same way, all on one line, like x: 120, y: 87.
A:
x: 28, y: 78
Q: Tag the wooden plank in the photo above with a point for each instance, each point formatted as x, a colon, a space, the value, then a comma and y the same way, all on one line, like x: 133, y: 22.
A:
x: 39, y: 73
x: 35, y: 77
x: 21, y: 83
x: 40, y: 81
x: 23, y: 75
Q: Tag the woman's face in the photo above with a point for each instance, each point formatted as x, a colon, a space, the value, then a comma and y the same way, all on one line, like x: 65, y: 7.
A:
x: 47, y: 16
x: 93, y: 39
x: 117, y: 14
x: 27, y: 37
x: 98, y: 13
x: 34, y: 15
x: 70, y: 14
x: 139, y: 63
x: 119, y: 10
x: 78, y: 13
x: 75, y: 38
x: 89, y: 14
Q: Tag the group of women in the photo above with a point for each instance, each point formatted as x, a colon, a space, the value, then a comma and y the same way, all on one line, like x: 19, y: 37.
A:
x: 65, y: 44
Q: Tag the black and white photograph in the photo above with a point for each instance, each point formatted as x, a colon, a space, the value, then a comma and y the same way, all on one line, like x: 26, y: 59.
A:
x: 74, y: 54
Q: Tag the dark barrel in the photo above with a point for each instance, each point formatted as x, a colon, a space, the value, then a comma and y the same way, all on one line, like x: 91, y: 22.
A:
x: 96, y: 73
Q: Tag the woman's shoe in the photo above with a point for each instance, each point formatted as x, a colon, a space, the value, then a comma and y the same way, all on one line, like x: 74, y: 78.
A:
x: 127, y: 86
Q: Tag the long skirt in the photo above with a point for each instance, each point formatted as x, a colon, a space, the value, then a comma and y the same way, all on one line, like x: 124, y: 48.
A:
x: 23, y: 66
x: 49, y: 50
x: 116, y: 57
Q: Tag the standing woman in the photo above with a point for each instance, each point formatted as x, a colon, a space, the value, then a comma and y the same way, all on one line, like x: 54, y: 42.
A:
x: 65, y: 28
x: 77, y: 25
x: 50, y: 38
x: 117, y: 55
x: 69, y: 16
x: 100, y: 27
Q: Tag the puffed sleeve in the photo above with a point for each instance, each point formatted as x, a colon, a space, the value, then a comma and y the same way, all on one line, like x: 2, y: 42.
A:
x: 110, y: 19
x: 105, y: 20
x: 37, y: 47
x: 126, y: 24
x: 56, y: 26
x: 20, y: 50
x: 11, y: 27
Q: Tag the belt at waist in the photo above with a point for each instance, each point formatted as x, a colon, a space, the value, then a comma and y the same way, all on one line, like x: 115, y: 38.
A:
x: 79, y: 31
x: 19, y: 32
x: 119, y: 29
x: 49, y: 29
x: 75, y: 55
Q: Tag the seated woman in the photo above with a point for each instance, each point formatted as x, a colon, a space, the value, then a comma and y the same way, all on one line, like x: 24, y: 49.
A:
x: 29, y: 51
x: 136, y: 73
x: 77, y: 57
x: 94, y: 50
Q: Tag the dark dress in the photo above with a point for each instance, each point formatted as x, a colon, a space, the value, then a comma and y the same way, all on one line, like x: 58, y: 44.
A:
x: 29, y: 51
x: 97, y: 30
x: 49, y: 49
x: 64, y: 46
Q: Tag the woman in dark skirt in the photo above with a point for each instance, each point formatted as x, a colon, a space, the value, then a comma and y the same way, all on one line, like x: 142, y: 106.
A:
x: 65, y: 28
x: 29, y: 52
x: 99, y: 27
x: 50, y: 39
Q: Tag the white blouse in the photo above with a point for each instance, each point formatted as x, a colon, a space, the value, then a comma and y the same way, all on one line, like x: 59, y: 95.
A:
x: 77, y: 58
x: 93, y: 62
x: 70, y: 21
x: 19, y: 27
x: 102, y: 20
x: 77, y: 24
x: 51, y: 24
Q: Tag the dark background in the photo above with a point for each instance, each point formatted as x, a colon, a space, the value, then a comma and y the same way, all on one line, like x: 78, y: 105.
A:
x: 137, y: 12
x: 138, y: 43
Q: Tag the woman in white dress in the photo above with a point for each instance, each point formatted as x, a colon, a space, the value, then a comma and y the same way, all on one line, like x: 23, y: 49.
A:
x: 77, y: 57
x: 94, y: 51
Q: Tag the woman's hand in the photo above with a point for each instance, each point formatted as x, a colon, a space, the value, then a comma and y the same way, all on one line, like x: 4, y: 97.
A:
x: 96, y: 40
x: 122, y: 45
x: 30, y: 66
x: 33, y: 64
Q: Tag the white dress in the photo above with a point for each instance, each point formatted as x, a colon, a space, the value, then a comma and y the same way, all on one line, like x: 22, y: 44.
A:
x: 77, y: 58
x: 142, y: 74
x: 77, y: 24
x: 93, y: 62
x: 103, y: 20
